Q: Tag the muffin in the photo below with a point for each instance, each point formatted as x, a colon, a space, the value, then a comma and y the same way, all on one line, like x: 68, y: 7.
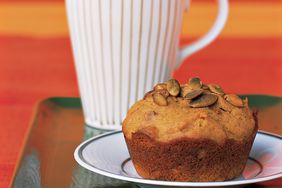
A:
x: 191, y: 132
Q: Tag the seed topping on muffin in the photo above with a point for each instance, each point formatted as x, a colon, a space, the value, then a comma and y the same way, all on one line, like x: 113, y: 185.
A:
x: 197, y: 94
x: 173, y: 87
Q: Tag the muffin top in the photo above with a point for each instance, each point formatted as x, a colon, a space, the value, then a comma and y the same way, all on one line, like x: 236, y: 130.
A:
x: 192, y: 110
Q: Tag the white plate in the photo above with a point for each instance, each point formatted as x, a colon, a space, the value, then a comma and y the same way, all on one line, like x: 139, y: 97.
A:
x: 107, y: 155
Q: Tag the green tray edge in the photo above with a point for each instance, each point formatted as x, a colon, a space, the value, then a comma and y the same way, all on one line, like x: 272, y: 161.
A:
x: 68, y: 102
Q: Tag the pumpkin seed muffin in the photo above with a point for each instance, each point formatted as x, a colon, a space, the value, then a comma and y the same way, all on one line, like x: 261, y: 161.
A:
x: 191, y: 132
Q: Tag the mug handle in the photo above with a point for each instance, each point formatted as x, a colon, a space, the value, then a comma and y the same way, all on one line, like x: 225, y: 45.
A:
x: 209, y: 37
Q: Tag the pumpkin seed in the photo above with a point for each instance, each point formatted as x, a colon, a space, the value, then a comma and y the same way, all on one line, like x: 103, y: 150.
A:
x: 205, y: 87
x: 163, y: 92
x: 160, y: 86
x: 149, y: 93
x: 185, y: 90
x: 173, y: 87
x: 234, y: 100
x: 159, y: 99
x: 193, y: 94
x: 204, y: 101
x: 216, y: 89
x: 195, y: 83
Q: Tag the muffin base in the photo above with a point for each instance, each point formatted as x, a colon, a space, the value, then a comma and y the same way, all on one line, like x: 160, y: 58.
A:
x: 188, y: 159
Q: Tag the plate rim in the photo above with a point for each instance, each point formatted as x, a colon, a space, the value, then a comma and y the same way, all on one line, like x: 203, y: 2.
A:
x: 85, y: 164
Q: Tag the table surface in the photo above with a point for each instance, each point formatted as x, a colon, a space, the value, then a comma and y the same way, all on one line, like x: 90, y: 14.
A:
x: 58, y: 128
x: 36, y: 60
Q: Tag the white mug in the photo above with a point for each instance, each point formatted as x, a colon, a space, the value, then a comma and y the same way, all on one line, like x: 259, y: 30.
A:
x: 122, y: 48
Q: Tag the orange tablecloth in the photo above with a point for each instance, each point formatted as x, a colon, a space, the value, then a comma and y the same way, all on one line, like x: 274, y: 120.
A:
x: 36, y: 60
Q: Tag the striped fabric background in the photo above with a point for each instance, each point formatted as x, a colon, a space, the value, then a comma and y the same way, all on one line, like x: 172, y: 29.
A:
x: 36, y: 60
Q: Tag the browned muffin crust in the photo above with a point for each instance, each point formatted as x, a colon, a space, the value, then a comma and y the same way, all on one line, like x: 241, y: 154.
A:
x: 187, y: 159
